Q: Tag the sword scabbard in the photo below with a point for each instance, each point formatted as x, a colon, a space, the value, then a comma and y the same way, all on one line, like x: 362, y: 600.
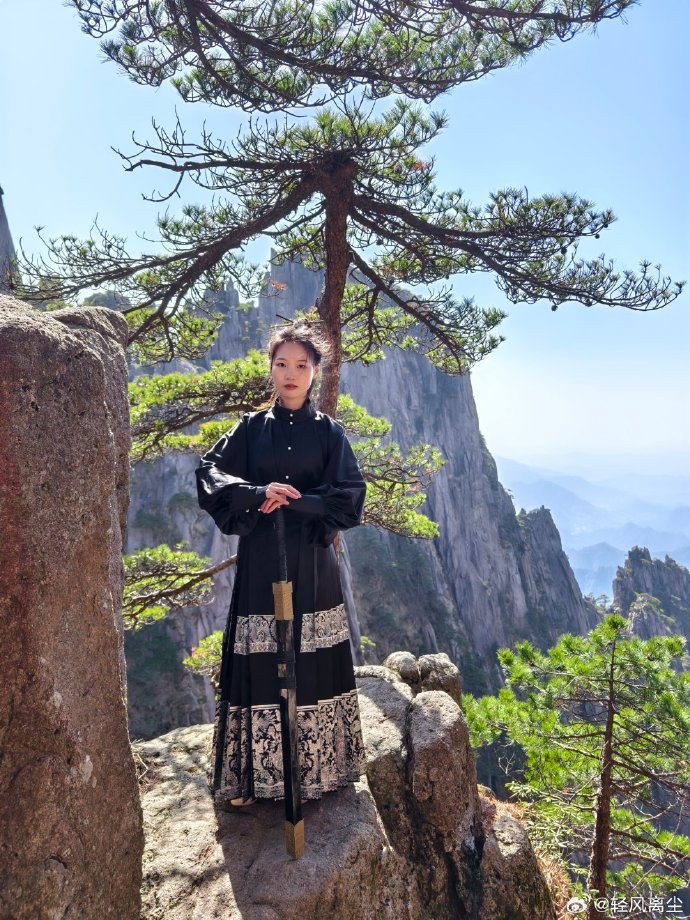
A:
x: 287, y: 689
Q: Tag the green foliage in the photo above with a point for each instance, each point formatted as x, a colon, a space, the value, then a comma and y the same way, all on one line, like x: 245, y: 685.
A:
x: 273, y: 56
x: 395, y: 480
x: 403, y: 237
x: 394, y: 485
x: 357, y: 422
x: 366, y: 647
x: 465, y: 333
x: 205, y: 658
x: 553, y: 715
x: 162, y: 405
x: 158, y: 579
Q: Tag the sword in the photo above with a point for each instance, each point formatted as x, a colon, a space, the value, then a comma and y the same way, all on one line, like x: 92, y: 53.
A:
x: 287, y: 683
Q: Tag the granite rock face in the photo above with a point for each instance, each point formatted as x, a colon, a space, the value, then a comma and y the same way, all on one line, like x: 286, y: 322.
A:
x: 654, y: 594
x: 405, y: 843
x: 492, y: 577
x: 429, y: 672
x: 69, y: 810
x: 510, y: 869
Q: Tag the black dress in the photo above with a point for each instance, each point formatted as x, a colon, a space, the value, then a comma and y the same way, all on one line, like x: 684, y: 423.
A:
x: 310, y: 451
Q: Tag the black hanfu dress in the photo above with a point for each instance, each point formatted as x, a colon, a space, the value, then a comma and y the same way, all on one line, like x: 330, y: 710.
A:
x: 306, y: 449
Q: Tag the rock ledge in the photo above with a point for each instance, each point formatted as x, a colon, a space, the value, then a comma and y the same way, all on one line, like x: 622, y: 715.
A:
x: 406, y: 843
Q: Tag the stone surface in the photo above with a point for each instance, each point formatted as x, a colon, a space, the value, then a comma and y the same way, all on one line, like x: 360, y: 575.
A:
x: 384, y: 702
x: 201, y: 864
x: 69, y: 809
x: 510, y: 872
x: 404, y: 664
x: 405, y: 843
x: 441, y: 771
x: 654, y: 594
x: 438, y: 672
x: 429, y: 672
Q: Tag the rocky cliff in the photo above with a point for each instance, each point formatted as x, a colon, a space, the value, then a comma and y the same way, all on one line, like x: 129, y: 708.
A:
x: 69, y: 809
x: 6, y: 247
x: 491, y: 578
x: 413, y: 840
x: 654, y: 594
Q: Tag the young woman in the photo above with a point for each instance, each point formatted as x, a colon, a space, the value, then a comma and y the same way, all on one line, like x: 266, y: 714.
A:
x: 292, y: 457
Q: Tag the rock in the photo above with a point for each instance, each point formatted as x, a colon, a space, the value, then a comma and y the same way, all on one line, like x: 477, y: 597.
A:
x: 429, y: 672
x: 384, y: 703
x: 441, y: 771
x: 654, y: 594
x: 510, y: 872
x: 404, y: 843
x: 404, y: 664
x: 7, y: 253
x: 446, y: 813
x: 70, y: 812
x: 438, y: 672
x: 200, y: 864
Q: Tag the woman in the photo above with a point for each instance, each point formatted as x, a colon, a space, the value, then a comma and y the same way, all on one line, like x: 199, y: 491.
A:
x: 292, y: 457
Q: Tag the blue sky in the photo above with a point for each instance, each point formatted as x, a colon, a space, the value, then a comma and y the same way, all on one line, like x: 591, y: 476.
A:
x: 605, y: 115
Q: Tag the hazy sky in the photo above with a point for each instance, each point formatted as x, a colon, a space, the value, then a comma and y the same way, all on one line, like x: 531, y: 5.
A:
x: 605, y: 115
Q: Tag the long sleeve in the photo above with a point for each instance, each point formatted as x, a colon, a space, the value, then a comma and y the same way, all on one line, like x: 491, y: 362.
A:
x: 338, y: 502
x: 222, y: 489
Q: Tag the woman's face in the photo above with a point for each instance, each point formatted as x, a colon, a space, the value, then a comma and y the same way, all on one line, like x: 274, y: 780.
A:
x: 292, y: 373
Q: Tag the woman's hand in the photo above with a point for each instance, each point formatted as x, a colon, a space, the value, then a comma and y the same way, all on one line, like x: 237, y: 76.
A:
x: 277, y: 495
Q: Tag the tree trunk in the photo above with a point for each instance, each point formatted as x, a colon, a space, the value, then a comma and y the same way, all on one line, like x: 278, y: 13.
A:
x: 599, y: 858
x: 337, y: 188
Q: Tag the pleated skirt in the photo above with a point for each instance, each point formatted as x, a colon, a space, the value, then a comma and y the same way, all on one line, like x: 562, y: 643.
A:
x: 247, y: 753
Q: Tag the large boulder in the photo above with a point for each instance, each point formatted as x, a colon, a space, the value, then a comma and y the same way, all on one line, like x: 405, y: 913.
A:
x: 407, y: 842
x: 201, y: 863
x: 510, y: 871
x: 71, y: 837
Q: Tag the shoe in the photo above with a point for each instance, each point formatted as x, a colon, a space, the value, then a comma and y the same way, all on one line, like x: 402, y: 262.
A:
x: 242, y: 803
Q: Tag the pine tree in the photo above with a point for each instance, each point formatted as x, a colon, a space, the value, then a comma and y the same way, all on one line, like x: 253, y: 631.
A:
x: 601, y: 724
x: 348, y: 192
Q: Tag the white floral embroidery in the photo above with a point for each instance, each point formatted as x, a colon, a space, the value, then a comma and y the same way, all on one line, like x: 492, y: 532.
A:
x: 331, y: 750
x: 323, y: 629
x: 255, y: 633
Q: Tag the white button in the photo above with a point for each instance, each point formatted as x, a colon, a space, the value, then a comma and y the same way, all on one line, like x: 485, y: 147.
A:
x: 287, y: 477
x: 291, y: 423
x: 289, y: 448
x: 291, y: 414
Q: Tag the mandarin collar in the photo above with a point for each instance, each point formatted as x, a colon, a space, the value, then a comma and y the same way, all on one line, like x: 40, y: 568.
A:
x: 299, y: 415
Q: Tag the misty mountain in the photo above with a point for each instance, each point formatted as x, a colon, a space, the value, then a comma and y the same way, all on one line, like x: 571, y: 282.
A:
x: 600, y: 520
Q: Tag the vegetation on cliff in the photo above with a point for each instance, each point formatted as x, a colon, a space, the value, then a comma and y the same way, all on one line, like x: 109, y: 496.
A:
x: 599, y: 724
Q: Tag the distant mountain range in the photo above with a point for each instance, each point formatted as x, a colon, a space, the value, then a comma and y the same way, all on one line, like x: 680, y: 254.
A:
x: 601, y: 519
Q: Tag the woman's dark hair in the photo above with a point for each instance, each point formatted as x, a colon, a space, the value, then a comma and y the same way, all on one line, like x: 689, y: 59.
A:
x: 303, y: 334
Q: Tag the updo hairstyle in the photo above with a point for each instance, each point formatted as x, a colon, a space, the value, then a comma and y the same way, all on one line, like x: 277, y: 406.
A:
x: 303, y: 334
